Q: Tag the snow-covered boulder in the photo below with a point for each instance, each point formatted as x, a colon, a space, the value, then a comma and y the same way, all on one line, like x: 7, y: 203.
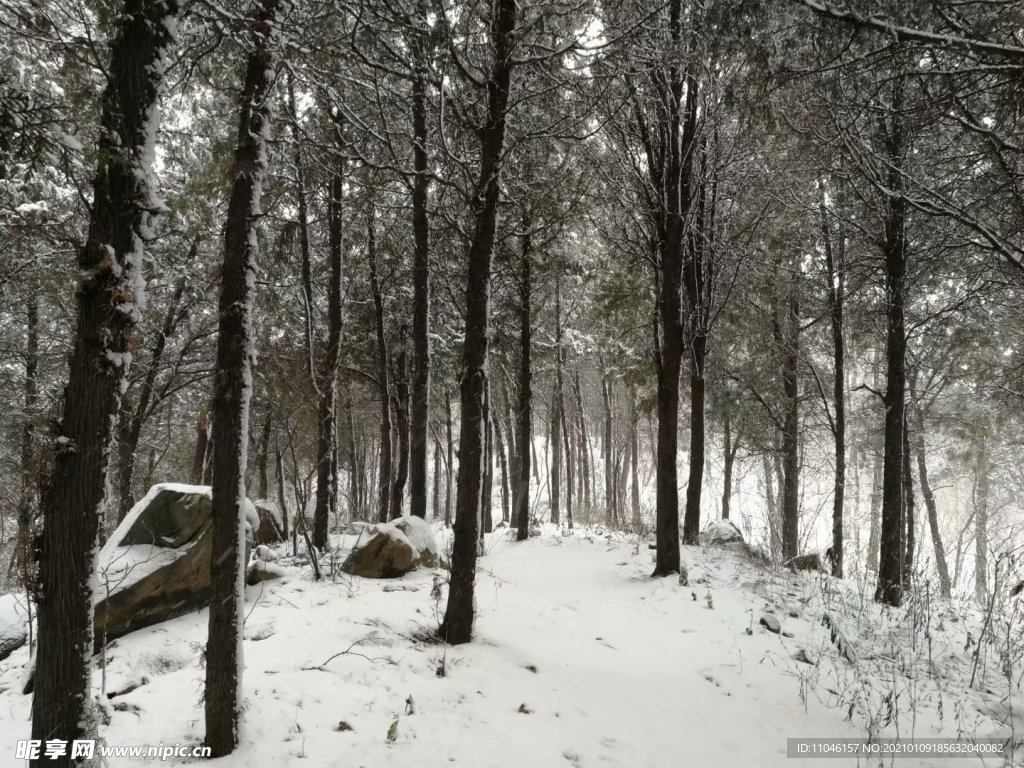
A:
x: 156, y: 564
x: 386, y: 552
x: 721, y: 532
x: 421, y: 535
x: 13, y: 623
x: 270, y: 528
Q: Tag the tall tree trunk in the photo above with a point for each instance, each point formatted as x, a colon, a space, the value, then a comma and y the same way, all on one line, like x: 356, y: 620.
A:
x: 835, y: 269
x: 981, y: 494
x: 696, y: 273
x: 675, y: 177
x: 199, y: 457
x: 281, y: 501
x: 451, y: 458
x: 420, y: 272
x: 560, y: 400
x: 569, y: 478
x: 728, y: 456
x: 929, y: 496
x: 556, y: 458
x: 892, y: 540
x: 908, y: 504
x: 487, y: 490
x: 634, y: 455
x: 787, y: 333
x: 232, y: 390
x: 327, y: 410
x: 774, y: 519
x: 108, y: 303
x: 499, y: 443
x: 524, y: 441
x: 436, y: 508
x: 401, y: 402
x: 586, y: 468
x: 384, y: 478
x: 695, y: 475
x: 509, y: 435
x: 606, y: 448
x: 458, y: 620
x: 875, y: 502
x: 355, y: 477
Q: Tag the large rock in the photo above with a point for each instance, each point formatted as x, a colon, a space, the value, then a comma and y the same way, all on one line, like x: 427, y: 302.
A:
x: 156, y: 565
x: 386, y: 551
x: 271, y: 526
x: 420, y: 534
x: 720, y: 533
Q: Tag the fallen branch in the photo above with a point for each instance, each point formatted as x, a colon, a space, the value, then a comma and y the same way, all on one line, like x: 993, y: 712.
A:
x: 349, y: 652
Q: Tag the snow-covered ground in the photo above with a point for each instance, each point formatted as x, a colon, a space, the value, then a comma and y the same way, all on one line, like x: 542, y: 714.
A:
x: 579, y: 659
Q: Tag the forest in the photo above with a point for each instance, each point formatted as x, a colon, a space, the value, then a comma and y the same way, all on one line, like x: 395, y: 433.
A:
x: 497, y: 326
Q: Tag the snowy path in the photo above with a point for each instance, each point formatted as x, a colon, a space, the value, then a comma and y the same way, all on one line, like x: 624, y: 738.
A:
x: 614, y: 668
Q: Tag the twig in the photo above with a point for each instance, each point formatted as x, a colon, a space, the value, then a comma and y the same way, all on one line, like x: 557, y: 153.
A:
x: 349, y: 652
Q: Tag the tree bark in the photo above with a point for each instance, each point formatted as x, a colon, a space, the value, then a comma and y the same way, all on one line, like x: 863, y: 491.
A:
x: 487, y: 489
x: 981, y: 494
x: 774, y: 519
x: 436, y: 508
x: 327, y: 411
x: 401, y: 403
x: 108, y: 303
x: 634, y: 455
x: 499, y: 443
x: 524, y: 441
x: 279, y: 469
x: 728, y: 458
x: 606, y: 448
x: 232, y: 390
x: 892, y: 540
x: 695, y: 474
x: 673, y: 178
x: 458, y: 620
x: 586, y: 469
x: 556, y: 458
x: 569, y: 478
x: 385, y: 473
x: 908, y: 504
x: 199, y: 457
x: 421, y: 274
x: 448, y: 464
x: 835, y: 269
x: 929, y: 497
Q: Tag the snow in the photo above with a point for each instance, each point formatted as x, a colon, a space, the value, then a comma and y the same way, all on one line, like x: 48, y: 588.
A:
x: 107, y: 554
x: 579, y: 659
x: 123, y: 566
x: 13, y: 617
x: 419, y: 533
